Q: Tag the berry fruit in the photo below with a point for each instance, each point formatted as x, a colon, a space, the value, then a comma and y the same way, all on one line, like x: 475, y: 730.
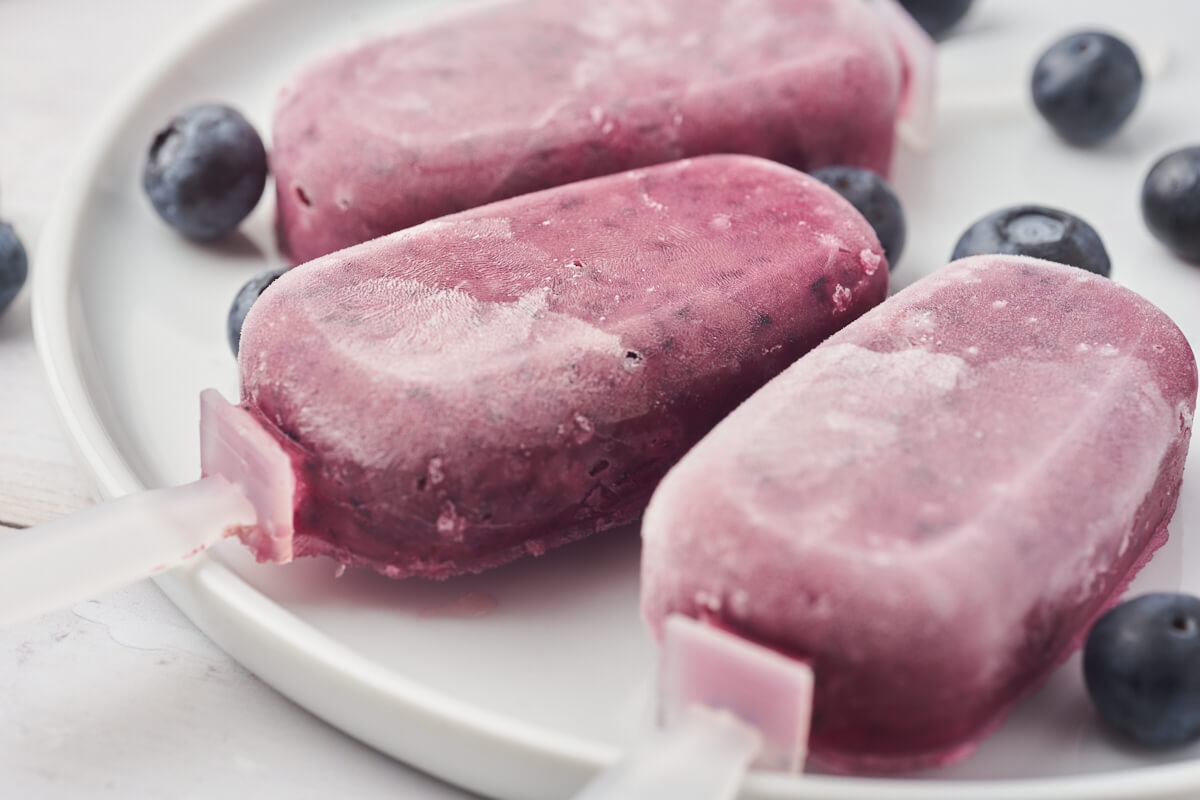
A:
x: 875, y: 200
x: 1086, y: 86
x: 205, y: 171
x: 1142, y: 668
x: 1171, y: 202
x: 1039, y: 232
x: 14, y: 265
x: 245, y: 298
x: 937, y: 16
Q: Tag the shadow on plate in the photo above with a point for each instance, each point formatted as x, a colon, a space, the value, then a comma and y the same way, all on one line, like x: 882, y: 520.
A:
x: 575, y: 573
x: 236, y: 246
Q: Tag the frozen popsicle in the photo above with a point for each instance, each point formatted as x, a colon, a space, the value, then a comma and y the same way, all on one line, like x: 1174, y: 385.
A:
x: 505, y: 98
x: 511, y: 378
x: 933, y: 505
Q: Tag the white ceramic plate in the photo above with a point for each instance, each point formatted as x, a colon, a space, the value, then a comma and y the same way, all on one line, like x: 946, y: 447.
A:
x: 528, y: 700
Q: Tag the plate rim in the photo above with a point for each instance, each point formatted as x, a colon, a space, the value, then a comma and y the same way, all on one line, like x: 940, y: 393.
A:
x: 332, y: 676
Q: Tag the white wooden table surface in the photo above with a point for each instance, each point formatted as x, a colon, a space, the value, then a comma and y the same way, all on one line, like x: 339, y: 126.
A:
x: 121, y: 696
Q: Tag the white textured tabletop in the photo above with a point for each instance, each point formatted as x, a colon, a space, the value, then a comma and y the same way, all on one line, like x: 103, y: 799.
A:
x: 121, y: 696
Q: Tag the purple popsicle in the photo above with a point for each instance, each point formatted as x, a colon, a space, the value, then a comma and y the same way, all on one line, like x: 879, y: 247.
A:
x: 512, y: 97
x: 511, y: 378
x: 933, y: 505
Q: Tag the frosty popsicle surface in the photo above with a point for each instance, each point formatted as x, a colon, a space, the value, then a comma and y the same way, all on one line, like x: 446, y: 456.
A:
x: 933, y: 505
x: 511, y: 97
x: 504, y: 380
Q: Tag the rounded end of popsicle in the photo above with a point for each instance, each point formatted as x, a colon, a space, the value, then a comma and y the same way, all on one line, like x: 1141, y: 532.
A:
x: 234, y: 445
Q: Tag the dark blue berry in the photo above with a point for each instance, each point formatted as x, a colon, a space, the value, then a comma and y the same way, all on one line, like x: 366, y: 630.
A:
x: 937, y: 16
x: 14, y: 265
x: 1142, y: 668
x: 875, y: 200
x: 245, y: 298
x: 205, y: 171
x: 1039, y: 232
x: 1171, y: 202
x: 1086, y: 86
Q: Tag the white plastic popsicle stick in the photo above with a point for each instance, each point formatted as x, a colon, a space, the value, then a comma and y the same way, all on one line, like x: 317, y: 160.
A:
x: 724, y: 704
x: 113, y: 544
x: 915, y: 125
x: 235, y: 445
x: 702, y: 758
x: 247, y: 493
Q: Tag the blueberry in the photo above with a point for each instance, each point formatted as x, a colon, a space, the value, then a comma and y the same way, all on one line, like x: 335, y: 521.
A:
x: 205, y: 171
x: 1171, y: 202
x: 937, y: 16
x: 875, y: 200
x: 1039, y: 232
x: 245, y: 298
x: 1086, y: 86
x: 14, y: 265
x: 1142, y: 668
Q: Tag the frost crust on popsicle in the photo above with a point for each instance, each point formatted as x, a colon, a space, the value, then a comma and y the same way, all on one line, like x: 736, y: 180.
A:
x: 512, y: 97
x: 514, y: 377
x: 932, y: 506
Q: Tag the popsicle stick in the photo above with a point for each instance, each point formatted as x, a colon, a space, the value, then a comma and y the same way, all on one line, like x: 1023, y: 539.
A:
x: 724, y: 703
x: 704, y: 665
x: 248, y: 493
x: 915, y: 126
x: 113, y: 544
x: 702, y: 758
x: 234, y: 444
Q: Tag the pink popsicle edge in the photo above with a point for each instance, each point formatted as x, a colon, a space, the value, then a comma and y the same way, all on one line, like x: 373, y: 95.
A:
x: 703, y: 665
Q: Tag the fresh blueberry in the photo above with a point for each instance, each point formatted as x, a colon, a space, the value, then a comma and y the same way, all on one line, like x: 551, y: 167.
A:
x: 14, y: 265
x: 1039, y: 232
x: 875, y: 200
x: 1142, y: 668
x: 1086, y: 86
x: 205, y: 171
x: 1171, y: 202
x: 245, y: 298
x: 937, y: 16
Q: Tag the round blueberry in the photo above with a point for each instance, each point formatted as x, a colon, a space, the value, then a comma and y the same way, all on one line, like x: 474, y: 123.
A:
x: 1142, y: 668
x: 245, y: 298
x: 937, y: 16
x: 1039, y: 232
x: 1086, y: 86
x: 875, y: 200
x: 205, y: 171
x: 1171, y: 202
x: 14, y: 265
